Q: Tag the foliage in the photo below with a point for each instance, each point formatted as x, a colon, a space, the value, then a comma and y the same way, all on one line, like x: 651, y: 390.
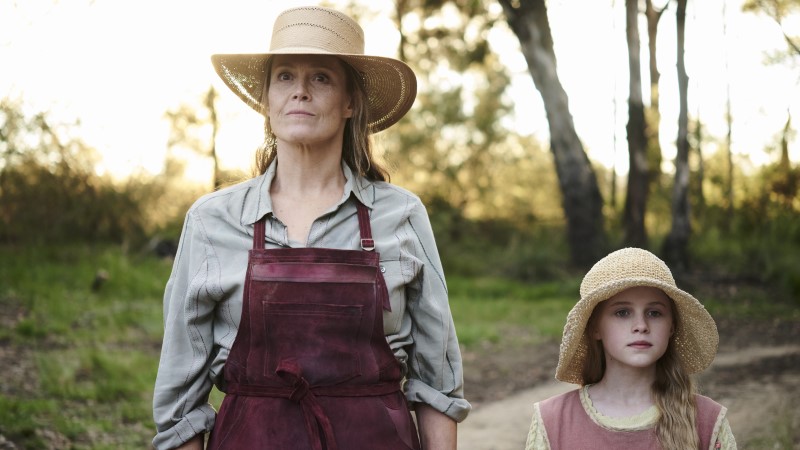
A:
x: 761, y: 238
x: 449, y: 144
x: 50, y: 190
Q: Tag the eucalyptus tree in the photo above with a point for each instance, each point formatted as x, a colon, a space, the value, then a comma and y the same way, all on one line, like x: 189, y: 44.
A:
x: 675, y: 246
x: 638, y: 184
x: 581, y: 198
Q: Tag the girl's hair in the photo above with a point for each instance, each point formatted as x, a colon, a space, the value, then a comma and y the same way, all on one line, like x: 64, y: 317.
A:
x: 673, y: 389
x: 356, y: 145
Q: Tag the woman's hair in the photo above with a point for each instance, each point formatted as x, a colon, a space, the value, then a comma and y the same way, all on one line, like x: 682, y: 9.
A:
x: 673, y: 389
x: 356, y: 145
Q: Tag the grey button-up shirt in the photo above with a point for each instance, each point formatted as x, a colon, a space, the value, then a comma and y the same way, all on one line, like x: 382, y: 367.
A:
x: 203, y: 297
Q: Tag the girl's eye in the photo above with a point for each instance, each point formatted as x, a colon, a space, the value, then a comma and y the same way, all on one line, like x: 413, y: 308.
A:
x: 655, y: 313
x: 622, y: 313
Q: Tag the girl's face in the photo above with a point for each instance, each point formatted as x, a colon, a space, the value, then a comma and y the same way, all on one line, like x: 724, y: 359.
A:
x: 635, y: 327
x: 308, y: 100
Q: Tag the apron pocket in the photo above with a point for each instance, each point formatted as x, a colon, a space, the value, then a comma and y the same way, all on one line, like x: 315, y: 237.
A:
x: 321, y: 338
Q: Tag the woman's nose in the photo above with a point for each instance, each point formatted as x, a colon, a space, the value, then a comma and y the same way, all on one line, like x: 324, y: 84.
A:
x: 301, y: 91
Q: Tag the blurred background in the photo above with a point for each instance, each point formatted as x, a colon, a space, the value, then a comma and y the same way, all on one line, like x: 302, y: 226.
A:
x: 544, y: 135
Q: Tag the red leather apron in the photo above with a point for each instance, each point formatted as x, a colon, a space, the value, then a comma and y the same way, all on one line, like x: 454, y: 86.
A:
x: 310, y: 367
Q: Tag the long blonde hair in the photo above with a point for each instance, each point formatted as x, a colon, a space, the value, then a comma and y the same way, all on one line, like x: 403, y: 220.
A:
x: 673, y: 389
x: 356, y: 145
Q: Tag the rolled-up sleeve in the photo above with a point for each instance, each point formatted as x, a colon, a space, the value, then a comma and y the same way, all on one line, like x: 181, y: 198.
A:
x: 180, y: 399
x: 435, y: 374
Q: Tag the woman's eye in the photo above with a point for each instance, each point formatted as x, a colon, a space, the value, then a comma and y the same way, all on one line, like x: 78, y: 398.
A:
x: 283, y: 76
x: 322, y: 78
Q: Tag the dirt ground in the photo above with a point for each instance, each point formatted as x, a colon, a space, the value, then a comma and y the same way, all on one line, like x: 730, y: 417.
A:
x: 756, y: 375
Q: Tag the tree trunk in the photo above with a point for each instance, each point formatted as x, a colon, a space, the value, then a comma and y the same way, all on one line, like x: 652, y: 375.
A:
x: 653, y: 113
x: 211, y: 97
x: 636, y: 197
x: 581, y: 197
x: 729, y: 123
x: 675, y: 246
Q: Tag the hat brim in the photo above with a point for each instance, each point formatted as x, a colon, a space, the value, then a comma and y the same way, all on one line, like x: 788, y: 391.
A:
x: 696, y: 338
x: 390, y: 84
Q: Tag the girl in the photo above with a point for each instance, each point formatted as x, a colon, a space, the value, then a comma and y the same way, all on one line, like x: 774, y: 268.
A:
x: 631, y: 342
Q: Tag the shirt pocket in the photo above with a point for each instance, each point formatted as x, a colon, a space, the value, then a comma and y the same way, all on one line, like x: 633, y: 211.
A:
x: 396, y: 284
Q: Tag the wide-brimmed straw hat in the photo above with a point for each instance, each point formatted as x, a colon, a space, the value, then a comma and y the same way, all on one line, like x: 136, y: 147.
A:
x: 313, y: 30
x: 695, y: 338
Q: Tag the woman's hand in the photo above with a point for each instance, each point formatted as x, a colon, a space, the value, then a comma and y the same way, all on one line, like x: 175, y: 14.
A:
x: 436, y: 430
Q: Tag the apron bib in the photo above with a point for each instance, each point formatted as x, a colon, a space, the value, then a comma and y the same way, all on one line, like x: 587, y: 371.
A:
x: 310, y: 367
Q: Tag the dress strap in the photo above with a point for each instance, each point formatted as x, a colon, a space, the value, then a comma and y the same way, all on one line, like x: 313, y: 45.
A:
x: 367, y: 244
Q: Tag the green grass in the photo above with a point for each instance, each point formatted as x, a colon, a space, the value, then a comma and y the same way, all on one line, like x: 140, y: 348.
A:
x: 484, y: 308
x: 92, y: 355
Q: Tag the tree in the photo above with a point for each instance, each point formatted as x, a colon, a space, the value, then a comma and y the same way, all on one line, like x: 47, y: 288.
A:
x: 636, y: 195
x: 637, y: 192
x: 652, y: 113
x: 453, y: 144
x: 581, y: 197
x: 196, y: 129
x: 779, y: 11
x: 675, y: 246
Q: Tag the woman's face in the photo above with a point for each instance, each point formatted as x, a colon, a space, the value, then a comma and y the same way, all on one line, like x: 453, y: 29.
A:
x: 635, y: 326
x: 308, y: 99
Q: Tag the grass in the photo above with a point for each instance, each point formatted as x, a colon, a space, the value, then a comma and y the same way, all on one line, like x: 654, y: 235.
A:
x: 86, y: 358
x: 484, y: 308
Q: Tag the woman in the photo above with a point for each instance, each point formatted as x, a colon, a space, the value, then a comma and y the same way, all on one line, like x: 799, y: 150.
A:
x: 312, y: 293
x: 632, y: 342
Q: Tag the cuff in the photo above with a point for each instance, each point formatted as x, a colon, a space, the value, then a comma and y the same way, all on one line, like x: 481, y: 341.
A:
x: 453, y: 407
x: 200, y: 420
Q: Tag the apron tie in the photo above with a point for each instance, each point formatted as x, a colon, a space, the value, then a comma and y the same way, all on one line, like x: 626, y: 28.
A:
x: 314, y: 415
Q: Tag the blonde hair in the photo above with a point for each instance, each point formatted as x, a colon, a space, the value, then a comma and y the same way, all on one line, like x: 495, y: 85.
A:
x: 356, y: 145
x: 673, y: 389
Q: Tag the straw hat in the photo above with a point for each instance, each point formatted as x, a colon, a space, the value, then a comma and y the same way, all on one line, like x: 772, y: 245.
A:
x: 695, y: 337
x: 391, y: 85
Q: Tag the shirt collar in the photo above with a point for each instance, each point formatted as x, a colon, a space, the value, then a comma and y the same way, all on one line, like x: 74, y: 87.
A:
x: 259, y: 203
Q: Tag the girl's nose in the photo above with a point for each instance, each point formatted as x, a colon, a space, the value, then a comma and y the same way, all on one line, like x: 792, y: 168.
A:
x: 640, y: 325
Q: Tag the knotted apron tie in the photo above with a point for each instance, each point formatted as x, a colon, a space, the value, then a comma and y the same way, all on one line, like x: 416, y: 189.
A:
x: 314, y: 415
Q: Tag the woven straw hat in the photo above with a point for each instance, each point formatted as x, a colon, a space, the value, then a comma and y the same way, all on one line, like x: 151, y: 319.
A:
x: 391, y: 85
x: 695, y: 337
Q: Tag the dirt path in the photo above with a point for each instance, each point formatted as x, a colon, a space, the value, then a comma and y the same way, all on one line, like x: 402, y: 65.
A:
x: 754, y: 402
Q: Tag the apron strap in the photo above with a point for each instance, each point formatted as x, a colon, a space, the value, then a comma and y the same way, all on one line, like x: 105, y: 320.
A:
x: 367, y: 244
x: 258, y: 234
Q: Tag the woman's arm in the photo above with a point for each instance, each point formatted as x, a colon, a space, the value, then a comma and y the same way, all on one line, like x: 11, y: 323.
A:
x: 195, y: 443
x: 436, y: 430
